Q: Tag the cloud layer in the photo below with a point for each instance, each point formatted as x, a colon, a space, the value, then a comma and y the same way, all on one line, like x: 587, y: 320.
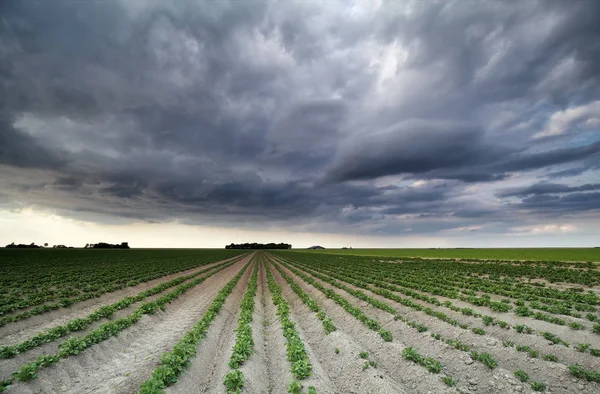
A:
x: 365, y: 117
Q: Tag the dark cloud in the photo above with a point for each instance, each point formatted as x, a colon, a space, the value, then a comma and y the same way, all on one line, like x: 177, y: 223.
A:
x: 21, y: 150
x: 560, y: 204
x: 380, y: 119
x: 547, y: 188
x: 415, y: 147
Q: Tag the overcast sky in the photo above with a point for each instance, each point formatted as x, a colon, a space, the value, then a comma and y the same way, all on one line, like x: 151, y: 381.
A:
x: 341, y: 123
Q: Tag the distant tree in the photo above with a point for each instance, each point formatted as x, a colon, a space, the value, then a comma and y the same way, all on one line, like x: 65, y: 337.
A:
x: 104, y: 245
x: 23, y: 246
x: 46, y: 245
x: 255, y: 245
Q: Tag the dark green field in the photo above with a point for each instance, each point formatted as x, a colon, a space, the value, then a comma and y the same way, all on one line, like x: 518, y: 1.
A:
x: 548, y: 254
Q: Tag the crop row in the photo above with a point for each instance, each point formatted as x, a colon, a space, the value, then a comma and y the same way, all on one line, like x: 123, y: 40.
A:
x: 52, y: 279
x: 105, y: 311
x: 327, y: 322
x: 244, y: 343
x: 342, y: 272
x: 296, y: 353
x: 485, y: 358
x: 173, y: 363
x: 385, y: 290
x: 109, y: 283
x: 76, y: 345
x: 452, y: 278
x: 341, y: 301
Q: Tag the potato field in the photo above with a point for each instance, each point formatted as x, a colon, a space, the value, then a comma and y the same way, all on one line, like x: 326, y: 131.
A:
x: 238, y: 321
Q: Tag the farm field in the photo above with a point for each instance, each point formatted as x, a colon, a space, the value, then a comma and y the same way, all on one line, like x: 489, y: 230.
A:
x: 545, y: 254
x: 234, y: 321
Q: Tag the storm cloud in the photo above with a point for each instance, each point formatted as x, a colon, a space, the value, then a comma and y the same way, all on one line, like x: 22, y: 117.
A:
x: 371, y: 117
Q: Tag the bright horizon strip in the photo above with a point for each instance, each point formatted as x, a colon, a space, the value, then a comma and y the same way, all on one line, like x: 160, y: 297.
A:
x: 30, y: 225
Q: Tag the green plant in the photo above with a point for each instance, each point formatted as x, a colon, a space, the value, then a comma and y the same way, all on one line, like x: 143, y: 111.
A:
x: 485, y: 358
x: 295, y: 350
x: 576, y: 326
x: 234, y: 381
x: 458, y: 345
x: 337, y: 350
x: 508, y: 343
x: 550, y: 357
x: 430, y: 363
x: 363, y: 355
x: 479, y: 331
x: 554, y: 338
x: 386, y: 335
x: 312, y: 390
x: 589, y: 375
x: 522, y: 375
x: 591, y: 317
x: 523, y: 329
x: 538, y: 386
x: 582, y: 347
x: 449, y: 380
x: 295, y: 387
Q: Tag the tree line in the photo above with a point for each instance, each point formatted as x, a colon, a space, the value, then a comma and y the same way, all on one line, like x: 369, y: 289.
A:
x: 255, y: 245
x: 99, y: 245
x: 104, y: 245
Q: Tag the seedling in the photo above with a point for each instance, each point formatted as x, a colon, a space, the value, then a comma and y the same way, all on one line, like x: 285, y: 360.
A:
x: 295, y: 387
x: 234, y: 381
x: 523, y: 329
x: 522, y: 375
x: 538, y: 386
x: 576, y: 326
x: 449, y: 381
x: 550, y: 357
x: 479, y: 331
